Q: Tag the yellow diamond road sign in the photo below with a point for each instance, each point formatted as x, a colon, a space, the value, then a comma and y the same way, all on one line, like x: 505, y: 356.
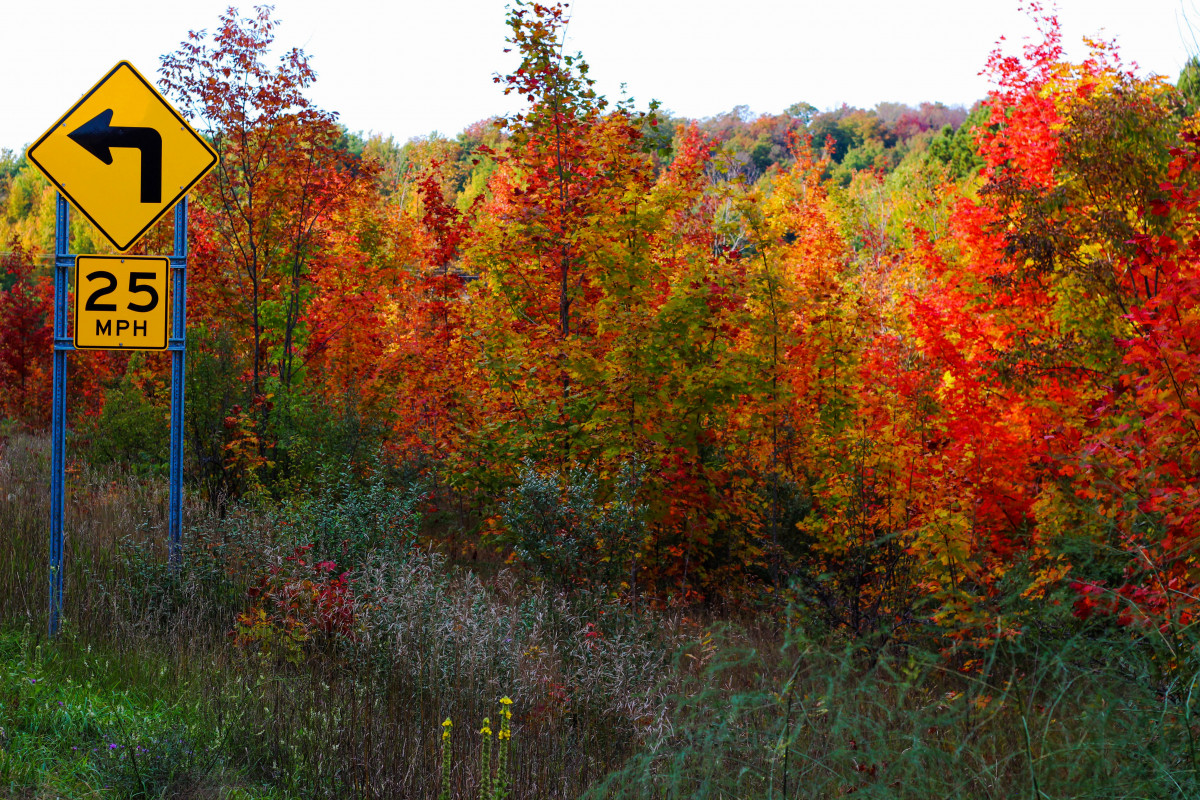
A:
x: 121, y: 302
x: 122, y: 155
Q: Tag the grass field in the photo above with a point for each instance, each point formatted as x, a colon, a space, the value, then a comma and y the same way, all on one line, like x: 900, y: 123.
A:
x: 173, y: 685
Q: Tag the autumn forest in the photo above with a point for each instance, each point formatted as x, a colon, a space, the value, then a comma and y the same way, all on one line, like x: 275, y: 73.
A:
x: 908, y: 396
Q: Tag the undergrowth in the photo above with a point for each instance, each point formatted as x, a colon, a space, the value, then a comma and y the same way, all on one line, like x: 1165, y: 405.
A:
x: 315, y: 649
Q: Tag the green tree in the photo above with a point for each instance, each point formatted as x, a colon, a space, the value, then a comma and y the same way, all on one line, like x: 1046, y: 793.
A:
x: 1189, y: 84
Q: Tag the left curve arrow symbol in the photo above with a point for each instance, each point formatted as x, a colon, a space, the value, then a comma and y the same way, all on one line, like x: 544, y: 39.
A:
x: 98, y: 135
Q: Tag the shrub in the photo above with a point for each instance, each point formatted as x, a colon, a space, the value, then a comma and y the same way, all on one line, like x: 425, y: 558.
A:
x: 134, y: 426
x: 348, y: 520
x: 299, y: 605
x: 560, y: 527
x: 148, y: 595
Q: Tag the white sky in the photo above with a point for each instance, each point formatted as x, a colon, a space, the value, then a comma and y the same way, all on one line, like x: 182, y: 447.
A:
x: 409, y: 67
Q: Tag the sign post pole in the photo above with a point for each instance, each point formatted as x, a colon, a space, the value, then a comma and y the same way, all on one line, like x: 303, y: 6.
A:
x: 178, y: 347
x: 120, y: 303
x: 62, y: 344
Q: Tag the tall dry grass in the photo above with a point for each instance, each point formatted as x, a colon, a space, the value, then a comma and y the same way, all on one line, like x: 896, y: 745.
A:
x: 360, y: 715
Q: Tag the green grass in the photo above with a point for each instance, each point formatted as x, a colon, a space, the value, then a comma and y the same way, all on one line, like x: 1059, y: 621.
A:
x: 76, y: 722
x: 1075, y: 718
x: 81, y: 722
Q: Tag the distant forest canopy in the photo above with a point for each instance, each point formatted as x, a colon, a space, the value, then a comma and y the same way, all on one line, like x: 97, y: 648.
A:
x: 746, y: 147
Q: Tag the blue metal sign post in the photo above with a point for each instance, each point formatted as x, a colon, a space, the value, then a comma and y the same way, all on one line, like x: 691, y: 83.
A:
x: 123, y: 199
x: 63, y: 343
x: 178, y: 347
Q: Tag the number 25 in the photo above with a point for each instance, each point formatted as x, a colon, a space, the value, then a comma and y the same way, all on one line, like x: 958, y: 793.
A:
x: 134, y: 288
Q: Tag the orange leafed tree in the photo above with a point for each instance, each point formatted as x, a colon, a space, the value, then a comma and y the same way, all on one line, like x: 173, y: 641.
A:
x: 275, y: 212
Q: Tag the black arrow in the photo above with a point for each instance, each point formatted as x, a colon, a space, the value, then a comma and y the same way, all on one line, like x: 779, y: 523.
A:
x: 97, y: 135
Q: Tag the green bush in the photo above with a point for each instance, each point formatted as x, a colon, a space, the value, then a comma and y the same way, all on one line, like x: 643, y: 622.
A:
x: 204, y: 592
x: 133, y: 429
x: 215, y: 393
x: 559, y: 525
x: 348, y: 520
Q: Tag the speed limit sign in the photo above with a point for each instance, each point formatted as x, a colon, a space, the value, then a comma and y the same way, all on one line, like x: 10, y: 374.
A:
x: 121, y: 302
